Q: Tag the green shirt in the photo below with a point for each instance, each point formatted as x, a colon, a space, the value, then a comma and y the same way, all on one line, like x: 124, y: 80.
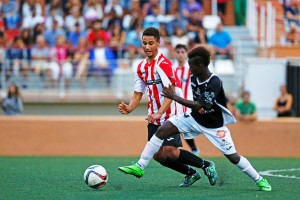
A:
x: 245, y: 109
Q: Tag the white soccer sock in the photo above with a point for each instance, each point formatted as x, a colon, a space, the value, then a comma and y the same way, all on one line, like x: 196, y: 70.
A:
x: 247, y: 168
x: 150, y: 149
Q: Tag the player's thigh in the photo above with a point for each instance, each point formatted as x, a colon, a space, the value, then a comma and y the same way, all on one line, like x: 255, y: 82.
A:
x: 221, y: 138
x: 173, y: 140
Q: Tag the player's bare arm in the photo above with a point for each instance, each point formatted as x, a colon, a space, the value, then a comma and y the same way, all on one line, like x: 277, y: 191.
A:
x: 134, y: 102
x: 162, y: 109
x: 169, y: 93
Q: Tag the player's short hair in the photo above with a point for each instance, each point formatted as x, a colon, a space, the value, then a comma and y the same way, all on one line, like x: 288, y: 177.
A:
x: 181, y: 46
x: 151, y: 31
x: 200, y: 54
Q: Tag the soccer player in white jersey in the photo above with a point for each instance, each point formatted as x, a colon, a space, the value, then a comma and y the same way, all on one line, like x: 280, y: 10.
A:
x: 184, y: 75
x: 209, y: 116
x: 151, y: 75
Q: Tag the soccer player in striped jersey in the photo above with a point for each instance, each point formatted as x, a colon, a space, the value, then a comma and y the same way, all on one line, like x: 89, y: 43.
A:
x: 183, y: 73
x: 151, y: 75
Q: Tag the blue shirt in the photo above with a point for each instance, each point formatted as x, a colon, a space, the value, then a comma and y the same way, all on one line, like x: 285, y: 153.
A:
x: 51, y: 35
x: 73, y: 37
x: 220, y: 39
x: 12, y: 106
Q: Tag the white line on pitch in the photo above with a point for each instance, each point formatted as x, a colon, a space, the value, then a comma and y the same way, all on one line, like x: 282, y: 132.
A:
x: 270, y: 173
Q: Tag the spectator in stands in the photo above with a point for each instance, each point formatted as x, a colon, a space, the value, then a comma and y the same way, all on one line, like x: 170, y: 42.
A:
x: 130, y: 55
x: 283, y: 104
x: 81, y: 55
x: 41, y: 55
x: 177, y: 21
x: 132, y: 20
x: 73, y: 36
x: 9, y: 11
x: 2, y: 52
x: 52, y: 34
x: 92, y: 10
x: 245, y: 110
x: 30, y: 5
x: 222, y: 5
x: 70, y: 4
x: 117, y: 39
x: 103, y: 60
x: 26, y: 37
x: 200, y: 37
x: 133, y: 38
x: 221, y: 43
x: 74, y: 17
x: 13, y: 103
x: 240, y: 8
x: 54, y: 4
x: 189, y: 7
x: 97, y: 32
x: 110, y: 19
x: 18, y: 59
x: 32, y: 19
x: 292, y: 13
x: 61, y: 61
x: 293, y: 35
x: 147, y: 8
x: 180, y: 37
x: 154, y: 19
x: 54, y: 16
x: 39, y: 29
x: 194, y: 23
x: 114, y: 5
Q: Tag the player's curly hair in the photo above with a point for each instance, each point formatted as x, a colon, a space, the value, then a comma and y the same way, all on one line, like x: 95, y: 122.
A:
x: 151, y: 31
x: 200, y: 55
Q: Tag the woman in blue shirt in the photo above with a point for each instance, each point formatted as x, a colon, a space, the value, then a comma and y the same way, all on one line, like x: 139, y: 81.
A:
x: 13, y: 103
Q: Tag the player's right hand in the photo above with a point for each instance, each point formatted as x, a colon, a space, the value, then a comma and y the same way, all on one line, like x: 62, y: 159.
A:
x: 124, y: 108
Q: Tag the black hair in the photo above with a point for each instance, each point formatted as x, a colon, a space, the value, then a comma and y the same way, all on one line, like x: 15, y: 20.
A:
x: 200, y: 55
x: 151, y: 31
x: 181, y: 46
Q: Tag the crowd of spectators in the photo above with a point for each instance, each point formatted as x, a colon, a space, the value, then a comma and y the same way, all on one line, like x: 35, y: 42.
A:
x: 79, y: 38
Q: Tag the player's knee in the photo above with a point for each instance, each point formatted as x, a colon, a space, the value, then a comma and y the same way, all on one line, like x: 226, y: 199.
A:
x: 160, y: 157
x: 234, y: 158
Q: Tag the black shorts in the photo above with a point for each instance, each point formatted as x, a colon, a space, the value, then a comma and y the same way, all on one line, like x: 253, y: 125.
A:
x: 174, y: 140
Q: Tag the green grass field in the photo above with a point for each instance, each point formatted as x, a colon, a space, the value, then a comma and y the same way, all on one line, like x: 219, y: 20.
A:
x: 62, y: 178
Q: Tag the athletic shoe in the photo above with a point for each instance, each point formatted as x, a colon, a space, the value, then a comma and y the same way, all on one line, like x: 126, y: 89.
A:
x: 196, y: 152
x: 264, y: 185
x: 133, y: 169
x: 189, y: 180
x: 211, y: 173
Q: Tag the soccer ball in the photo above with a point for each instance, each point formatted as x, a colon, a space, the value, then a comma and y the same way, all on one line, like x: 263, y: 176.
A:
x: 95, y: 176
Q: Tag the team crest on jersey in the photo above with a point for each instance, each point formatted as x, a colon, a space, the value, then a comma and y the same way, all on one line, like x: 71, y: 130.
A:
x: 221, y: 133
x: 209, y: 96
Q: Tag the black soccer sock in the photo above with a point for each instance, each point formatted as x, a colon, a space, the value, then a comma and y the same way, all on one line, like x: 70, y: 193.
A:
x: 190, y: 159
x: 179, y: 167
x: 191, y: 143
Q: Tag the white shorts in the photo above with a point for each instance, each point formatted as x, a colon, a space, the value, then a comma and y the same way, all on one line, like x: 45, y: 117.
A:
x: 220, y: 137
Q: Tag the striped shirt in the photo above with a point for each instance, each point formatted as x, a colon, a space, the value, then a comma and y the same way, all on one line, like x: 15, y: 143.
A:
x: 184, y: 75
x: 150, y: 78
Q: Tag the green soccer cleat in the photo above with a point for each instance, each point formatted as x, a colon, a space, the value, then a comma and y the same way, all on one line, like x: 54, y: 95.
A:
x: 133, y: 169
x: 264, y: 185
x: 189, y: 180
x: 211, y: 173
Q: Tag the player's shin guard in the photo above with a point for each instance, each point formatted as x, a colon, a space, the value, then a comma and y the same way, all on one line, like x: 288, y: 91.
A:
x: 150, y: 149
x: 247, y: 168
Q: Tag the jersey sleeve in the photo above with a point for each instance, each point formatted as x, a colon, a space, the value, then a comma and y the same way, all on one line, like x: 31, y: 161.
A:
x: 166, y: 73
x: 139, y: 84
x: 208, y: 97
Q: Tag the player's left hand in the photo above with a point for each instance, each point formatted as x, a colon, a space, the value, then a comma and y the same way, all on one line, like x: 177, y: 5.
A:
x: 168, y: 92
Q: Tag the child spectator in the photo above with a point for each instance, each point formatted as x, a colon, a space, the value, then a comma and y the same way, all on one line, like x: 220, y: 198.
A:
x: 96, y: 32
x: 245, y: 109
x: 13, y: 103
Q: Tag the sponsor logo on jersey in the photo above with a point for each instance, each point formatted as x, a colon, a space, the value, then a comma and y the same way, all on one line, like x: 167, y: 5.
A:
x: 221, y: 133
x: 153, y: 82
x: 170, y: 138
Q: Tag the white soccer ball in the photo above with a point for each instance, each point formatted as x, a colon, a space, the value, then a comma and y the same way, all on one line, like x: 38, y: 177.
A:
x: 95, y: 176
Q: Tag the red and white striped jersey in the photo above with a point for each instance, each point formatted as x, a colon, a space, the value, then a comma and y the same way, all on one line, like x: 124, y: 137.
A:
x: 184, y: 75
x: 151, y: 77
